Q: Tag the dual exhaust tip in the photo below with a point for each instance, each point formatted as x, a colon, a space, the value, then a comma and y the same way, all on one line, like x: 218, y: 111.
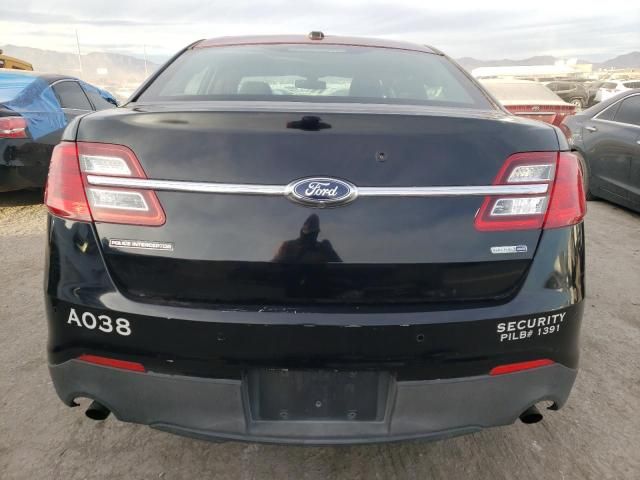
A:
x: 97, y: 411
x: 531, y: 415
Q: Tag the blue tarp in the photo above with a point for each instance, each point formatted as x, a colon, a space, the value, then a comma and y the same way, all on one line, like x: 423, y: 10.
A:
x: 32, y: 98
x: 103, y: 93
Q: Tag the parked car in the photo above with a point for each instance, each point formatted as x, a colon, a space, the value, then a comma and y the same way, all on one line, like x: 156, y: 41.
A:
x: 13, y: 63
x: 607, y: 136
x: 34, y: 110
x: 592, y: 88
x: 529, y: 99
x: 614, y: 87
x: 574, y: 93
x: 245, y: 250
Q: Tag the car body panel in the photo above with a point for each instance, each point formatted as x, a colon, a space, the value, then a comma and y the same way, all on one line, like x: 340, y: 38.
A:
x: 610, y: 149
x: 240, y: 258
x: 571, y: 92
x: 555, y: 282
x: 307, y: 40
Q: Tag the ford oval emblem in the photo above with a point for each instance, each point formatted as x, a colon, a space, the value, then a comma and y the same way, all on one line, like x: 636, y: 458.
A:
x: 321, y: 192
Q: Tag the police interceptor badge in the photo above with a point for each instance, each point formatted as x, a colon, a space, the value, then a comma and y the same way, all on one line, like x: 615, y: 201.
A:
x: 140, y: 244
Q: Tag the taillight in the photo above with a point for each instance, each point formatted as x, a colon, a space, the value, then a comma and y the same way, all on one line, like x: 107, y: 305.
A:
x: 562, y: 205
x: 568, y: 202
x: 64, y: 194
x: 113, y: 205
x: 553, y: 114
x: 13, y: 127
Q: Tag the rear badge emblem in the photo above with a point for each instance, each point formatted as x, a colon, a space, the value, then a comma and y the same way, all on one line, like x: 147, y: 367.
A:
x: 321, y: 192
x: 509, y: 249
x: 140, y: 244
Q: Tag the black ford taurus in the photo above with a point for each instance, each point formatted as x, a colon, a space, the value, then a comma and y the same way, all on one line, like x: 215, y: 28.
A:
x: 310, y: 239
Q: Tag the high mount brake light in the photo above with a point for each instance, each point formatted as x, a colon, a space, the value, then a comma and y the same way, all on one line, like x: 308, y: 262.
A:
x: 561, y: 206
x: 70, y: 195
x: 13, y: 127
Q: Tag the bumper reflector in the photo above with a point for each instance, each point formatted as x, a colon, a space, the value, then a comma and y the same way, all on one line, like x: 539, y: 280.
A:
x: 112, y: 362
x: 520, y: 366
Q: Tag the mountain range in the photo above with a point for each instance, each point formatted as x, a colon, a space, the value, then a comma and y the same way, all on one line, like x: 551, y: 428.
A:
x: 120, y: 74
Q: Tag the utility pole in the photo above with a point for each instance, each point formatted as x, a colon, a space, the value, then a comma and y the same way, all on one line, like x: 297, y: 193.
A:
x: 144, y: 47
x: 79, y: 56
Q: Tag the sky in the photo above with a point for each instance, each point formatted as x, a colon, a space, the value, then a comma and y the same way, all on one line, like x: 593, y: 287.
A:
x: 485, y: 29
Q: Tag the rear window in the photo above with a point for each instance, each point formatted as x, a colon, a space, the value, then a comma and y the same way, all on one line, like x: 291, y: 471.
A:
x: 329, y: 73
x: 631, y: 84
x: 70, y: 95
x: 629, y: 111
x: 520, y: 91
x: 99, y: 101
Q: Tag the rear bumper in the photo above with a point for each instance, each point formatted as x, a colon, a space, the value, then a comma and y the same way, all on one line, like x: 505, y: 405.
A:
x: 20, y: 177
x: 217, y: 408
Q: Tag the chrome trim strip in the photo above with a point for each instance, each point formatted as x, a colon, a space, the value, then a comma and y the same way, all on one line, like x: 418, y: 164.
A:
x: 454, y: 191
x: 186, y: 186
x: 250, y: 189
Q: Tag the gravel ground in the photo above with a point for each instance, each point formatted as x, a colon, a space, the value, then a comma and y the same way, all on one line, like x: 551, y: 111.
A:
x: 596, y: 435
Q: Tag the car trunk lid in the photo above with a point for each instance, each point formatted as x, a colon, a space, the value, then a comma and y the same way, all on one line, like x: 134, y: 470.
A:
x: 264, y: 249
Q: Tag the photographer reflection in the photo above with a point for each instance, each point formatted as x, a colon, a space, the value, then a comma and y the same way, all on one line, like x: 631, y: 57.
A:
x: 306, y: 249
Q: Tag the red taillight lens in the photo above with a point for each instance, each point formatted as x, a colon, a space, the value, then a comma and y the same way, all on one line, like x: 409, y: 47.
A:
x: 562, y: 205
x: 112, y: 362
x: 64, y: 194
x: 13, y: 127
x: 519, y: 212
x: 520, y: 366
x: 104, y: 204
x: 568, y: 203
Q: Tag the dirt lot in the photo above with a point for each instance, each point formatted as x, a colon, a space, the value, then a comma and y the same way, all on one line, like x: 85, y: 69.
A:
x: 596, y: 436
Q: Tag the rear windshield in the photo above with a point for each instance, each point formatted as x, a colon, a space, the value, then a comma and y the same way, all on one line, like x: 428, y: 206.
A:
x: 520, y: 92
x: 310, y: 73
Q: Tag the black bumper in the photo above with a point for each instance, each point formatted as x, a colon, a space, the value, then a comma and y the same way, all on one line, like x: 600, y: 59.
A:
x: 21, y: 177
x: 218, y: 409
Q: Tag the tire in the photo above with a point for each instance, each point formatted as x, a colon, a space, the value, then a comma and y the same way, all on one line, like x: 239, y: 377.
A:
x: 586, y: 177
x: 578, y: 103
